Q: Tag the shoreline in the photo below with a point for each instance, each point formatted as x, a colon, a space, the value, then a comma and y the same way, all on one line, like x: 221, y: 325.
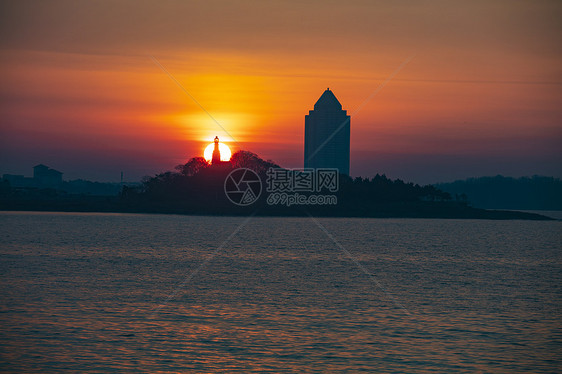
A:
x: 426, y: 211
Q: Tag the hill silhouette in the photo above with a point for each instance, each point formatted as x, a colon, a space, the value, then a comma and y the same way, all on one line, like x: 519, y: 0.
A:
x: 499, y: 192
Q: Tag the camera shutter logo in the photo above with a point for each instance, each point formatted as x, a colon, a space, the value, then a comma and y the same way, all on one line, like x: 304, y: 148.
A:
x: 242, y: 186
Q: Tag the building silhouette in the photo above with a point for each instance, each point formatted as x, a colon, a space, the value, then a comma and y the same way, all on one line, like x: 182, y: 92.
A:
x: 43, y: 177
x: 327, y: 133
x: 19, y: 181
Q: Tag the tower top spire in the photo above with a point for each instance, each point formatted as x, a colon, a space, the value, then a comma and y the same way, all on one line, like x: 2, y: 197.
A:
x: 328, y: 101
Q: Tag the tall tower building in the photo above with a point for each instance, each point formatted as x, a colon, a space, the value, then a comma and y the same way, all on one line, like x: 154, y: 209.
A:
x: 327, y: 132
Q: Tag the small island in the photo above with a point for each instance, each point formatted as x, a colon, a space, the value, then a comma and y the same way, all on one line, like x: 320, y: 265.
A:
x: 199, y: 187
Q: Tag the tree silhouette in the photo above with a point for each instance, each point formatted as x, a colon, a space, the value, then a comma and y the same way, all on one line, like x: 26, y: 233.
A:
x: 246, y: 159
x: 193, y: 166
x: 199, y: 187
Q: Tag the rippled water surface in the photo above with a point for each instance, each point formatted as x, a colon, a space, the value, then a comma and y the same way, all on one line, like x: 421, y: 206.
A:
x: 166, y: 293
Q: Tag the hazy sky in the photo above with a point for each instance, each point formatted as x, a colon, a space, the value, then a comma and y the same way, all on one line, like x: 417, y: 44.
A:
x: 479, y: 91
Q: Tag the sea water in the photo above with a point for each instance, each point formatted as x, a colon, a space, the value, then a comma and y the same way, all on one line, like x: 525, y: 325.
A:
x: 169, y: 293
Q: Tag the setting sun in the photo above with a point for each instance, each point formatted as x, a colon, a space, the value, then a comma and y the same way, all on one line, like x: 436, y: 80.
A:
x: 223, y: 148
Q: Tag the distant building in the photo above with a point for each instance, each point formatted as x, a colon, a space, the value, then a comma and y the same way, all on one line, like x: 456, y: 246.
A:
x: 327, y: 133
x: 44, y: 176
x: 19, y: 181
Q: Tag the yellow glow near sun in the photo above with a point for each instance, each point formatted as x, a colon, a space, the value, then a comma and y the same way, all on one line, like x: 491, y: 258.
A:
x: 223, y: 148
x: 199, y: 126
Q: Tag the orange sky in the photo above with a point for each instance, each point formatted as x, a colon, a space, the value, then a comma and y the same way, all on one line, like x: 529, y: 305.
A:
x: 81, y: 93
